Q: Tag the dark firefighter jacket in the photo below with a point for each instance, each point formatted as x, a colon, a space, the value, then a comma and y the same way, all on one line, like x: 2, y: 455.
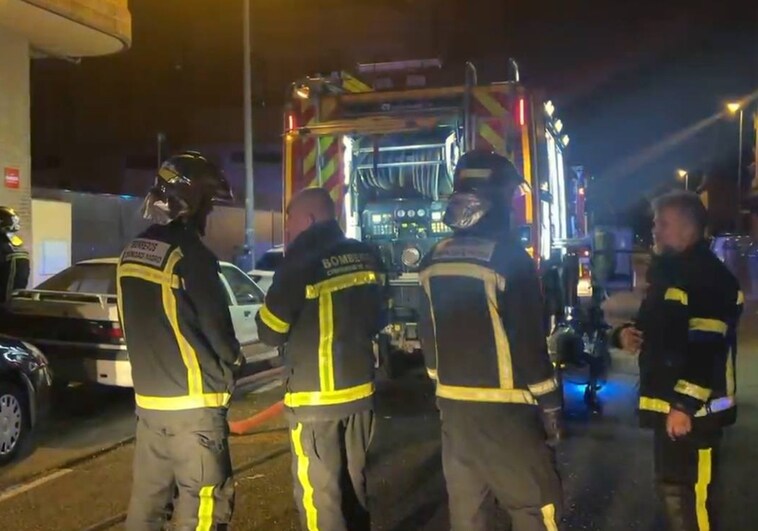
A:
x: 326, y: 305
x: 14, y: 266
x: 689, y: 318
x: 482, y: 324
x: 176, y: 321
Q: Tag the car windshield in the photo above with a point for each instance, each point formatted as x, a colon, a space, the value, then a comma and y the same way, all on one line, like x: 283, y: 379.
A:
x: 269, y: 261
x: 97, y: 279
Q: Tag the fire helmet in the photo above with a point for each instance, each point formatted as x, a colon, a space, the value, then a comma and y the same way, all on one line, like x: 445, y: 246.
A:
x: 9, y: 220
x: 186, y: 187
x: 483, y: 182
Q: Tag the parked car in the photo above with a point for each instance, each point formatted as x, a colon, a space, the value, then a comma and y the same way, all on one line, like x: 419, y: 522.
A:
x: 25, y: 381
x: 73, y: 316
x: 263, y: 274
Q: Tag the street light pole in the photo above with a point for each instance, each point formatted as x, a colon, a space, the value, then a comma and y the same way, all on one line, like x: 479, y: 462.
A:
x: 249, y: 257
x: 684, y: 174
x: 739, y: 168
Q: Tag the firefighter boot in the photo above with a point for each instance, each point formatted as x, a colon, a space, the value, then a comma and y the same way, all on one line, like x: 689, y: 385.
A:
x: 678, y: 507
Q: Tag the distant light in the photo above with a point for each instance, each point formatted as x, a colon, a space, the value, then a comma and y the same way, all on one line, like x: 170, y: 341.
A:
x: 549, y: 108
x: 303, y: 92
x: 290, y: 122
x: 581, y: 191
x: 733, y: 107
x: 565, y: 139
x: 521, y: 111
x: 681, y: 173
x: 558, y: 126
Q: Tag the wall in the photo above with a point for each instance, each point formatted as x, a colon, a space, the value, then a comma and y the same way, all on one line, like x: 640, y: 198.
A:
x: 225, y: 232
x: 51, y: 233
x: 102, y: 225
x: 15, y: 127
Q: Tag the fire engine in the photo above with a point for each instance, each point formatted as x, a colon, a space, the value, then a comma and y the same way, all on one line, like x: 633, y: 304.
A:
x: 386, y: 145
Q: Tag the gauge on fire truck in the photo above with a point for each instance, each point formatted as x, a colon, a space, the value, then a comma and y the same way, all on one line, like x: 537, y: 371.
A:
x: 410, y: 256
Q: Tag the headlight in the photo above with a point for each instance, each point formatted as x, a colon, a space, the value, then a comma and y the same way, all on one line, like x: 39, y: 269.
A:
x: 421, y: 212
x: 401, y: 213
x: 410, y: 257
x: 411, y: 213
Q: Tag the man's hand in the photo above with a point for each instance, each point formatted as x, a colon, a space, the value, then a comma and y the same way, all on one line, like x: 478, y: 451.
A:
x: 552, y: 420
x: 678, y: 424
x: 631, y: 339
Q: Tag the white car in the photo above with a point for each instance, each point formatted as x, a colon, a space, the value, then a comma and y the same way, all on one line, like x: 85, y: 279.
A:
x: 263, y: 274
x: 73, y: 318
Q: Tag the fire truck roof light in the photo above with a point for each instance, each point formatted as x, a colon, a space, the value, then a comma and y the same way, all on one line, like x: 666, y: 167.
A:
x: 521, y: 111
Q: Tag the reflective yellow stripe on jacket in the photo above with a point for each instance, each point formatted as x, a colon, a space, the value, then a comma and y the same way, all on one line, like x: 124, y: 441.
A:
x: 168, y: 281
x: 328, y: 393
x: 657, y: 405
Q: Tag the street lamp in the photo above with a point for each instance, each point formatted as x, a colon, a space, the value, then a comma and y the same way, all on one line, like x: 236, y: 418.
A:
x: 733, y: 108
x: 684, y: 174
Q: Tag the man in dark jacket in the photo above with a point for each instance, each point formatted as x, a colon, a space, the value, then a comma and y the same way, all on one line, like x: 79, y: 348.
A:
x: 183, y: 352
x: 686, y: 334
x: 484, y: 343
x: 325, y: 306
x: 14, y: 259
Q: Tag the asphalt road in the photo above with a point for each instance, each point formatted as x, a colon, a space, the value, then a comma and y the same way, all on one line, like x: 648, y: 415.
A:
x: 606, y: 463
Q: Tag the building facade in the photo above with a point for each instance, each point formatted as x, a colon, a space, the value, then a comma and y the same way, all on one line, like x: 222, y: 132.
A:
x: 68, y: 30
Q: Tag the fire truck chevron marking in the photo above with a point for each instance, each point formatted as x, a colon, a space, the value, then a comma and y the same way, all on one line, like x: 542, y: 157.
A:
x: 493, y: 139
x: 490, y: 103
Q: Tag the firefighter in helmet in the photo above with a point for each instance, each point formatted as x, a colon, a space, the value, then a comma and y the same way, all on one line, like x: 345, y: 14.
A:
x: 484, y: 343
x: 14, y: 259
x: 183, y: 351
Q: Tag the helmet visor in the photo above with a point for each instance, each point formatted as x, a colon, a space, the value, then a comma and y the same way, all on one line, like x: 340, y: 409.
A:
x: 464, y: 210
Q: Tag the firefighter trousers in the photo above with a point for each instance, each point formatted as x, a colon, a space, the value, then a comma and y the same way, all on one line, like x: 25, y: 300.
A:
x: 686, y: 478
x: 181, y: 465
x: 497, y: 452
x: 329, y: 472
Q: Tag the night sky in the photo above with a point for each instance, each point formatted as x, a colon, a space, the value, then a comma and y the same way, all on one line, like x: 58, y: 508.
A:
x: 623, y: 75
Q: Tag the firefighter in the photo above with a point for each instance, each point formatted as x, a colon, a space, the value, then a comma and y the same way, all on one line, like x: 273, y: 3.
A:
x: 14, y: 259
x: 484, y: 343
x: 685, y: 332
x: 325, y: 306
x: 183, y: 352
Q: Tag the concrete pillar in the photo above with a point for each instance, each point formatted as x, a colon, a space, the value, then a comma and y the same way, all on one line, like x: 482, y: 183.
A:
x: 15, y: 129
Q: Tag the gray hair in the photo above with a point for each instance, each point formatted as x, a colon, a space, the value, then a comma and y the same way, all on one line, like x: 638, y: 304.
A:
x: 687, y: 203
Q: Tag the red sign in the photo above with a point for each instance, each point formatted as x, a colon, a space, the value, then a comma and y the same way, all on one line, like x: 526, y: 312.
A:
x: 12, y: 177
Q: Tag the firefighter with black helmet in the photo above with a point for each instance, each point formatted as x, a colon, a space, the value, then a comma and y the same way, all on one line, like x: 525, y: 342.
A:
x: 14, y: 259
x: 183, y: 351
x: 484, y: 344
